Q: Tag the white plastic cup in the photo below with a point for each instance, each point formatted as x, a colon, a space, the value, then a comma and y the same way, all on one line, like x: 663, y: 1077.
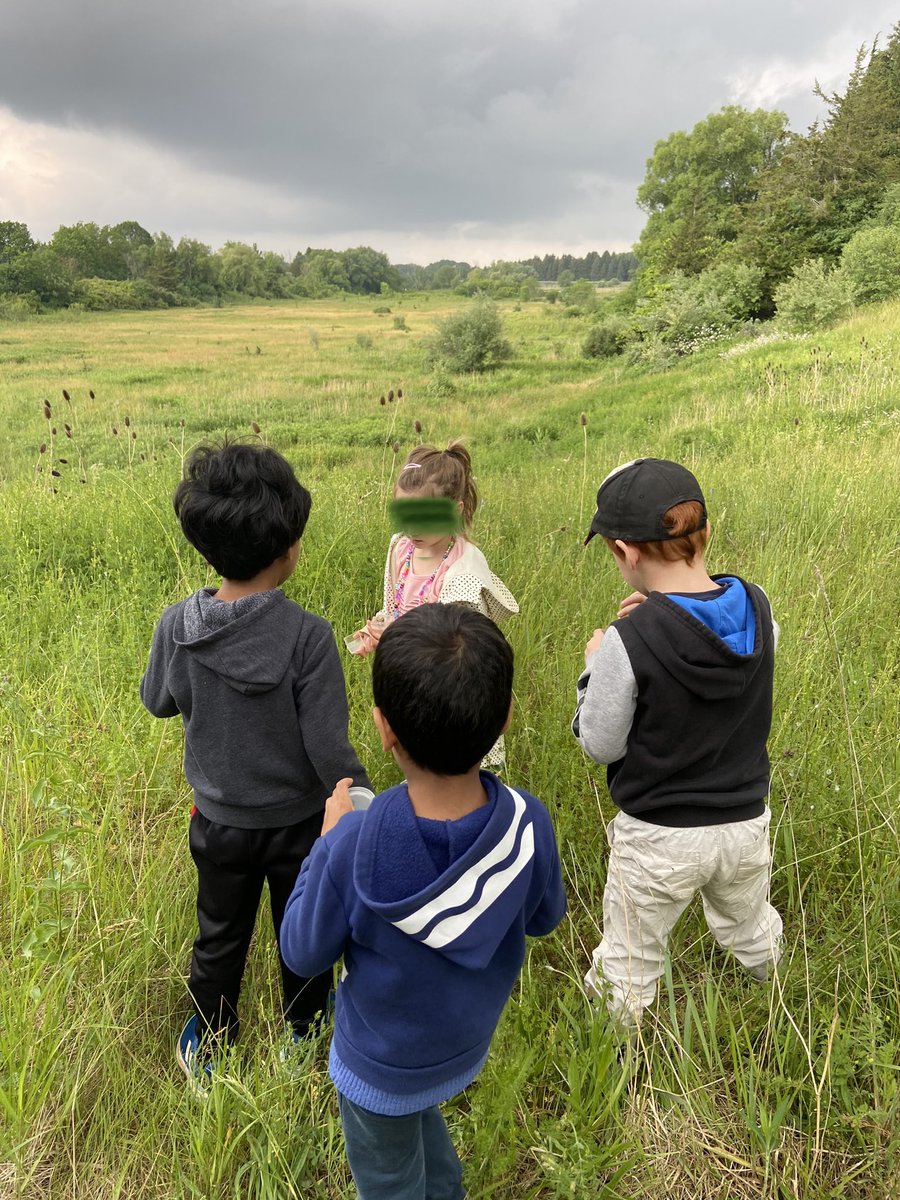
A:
x: 353, y: 643
x: 361, y: 797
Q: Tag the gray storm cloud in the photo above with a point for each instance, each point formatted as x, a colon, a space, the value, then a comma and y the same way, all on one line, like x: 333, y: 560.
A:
x: 414, y: 118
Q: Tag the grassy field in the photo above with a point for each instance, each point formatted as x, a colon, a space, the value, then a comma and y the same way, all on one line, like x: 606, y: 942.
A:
x: 741, y: 1090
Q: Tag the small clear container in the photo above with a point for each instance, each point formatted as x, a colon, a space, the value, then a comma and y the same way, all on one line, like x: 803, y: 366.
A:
x: 361, y: 797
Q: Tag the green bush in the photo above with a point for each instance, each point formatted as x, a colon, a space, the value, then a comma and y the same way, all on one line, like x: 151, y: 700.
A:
x: 100, y: 294
x: 813, y: 297
x: 19, y: 308
x: 870, y: 262
x: 470, y: 340
x: 603, y: 341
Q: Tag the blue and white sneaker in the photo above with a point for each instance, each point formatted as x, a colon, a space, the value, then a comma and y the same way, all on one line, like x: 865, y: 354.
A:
x: 196, y: 1065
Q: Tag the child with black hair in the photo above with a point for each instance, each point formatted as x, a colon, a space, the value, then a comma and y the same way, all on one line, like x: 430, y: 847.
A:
x: 428, y: 896
x: 258, y: 682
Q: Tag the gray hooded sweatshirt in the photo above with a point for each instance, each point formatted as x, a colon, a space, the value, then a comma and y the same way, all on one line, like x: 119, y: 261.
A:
x: 259, y: 685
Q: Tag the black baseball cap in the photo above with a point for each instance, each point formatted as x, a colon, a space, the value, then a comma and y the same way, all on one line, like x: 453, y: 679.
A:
x: 634, y: 498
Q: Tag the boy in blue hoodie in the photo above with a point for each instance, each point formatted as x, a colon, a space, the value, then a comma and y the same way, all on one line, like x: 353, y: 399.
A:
x: 258, y: 683
x: 428, y: 896
x: 676, y: 697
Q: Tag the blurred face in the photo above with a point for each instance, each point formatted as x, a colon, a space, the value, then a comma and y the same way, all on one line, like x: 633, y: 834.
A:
x: 431, y: 543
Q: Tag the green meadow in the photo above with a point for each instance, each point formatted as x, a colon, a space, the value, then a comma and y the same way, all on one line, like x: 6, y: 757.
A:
x: 738, y: 1090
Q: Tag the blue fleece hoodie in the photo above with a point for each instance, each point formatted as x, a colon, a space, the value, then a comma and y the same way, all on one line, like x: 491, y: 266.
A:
x: 430, y: 955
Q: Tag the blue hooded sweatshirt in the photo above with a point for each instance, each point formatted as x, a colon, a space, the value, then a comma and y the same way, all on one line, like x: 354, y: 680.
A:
x: 431, y: 951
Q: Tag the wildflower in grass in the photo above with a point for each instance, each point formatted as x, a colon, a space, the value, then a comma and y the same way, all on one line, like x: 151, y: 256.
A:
x: 391, y: 396
x: 584, y: 418
x: 43, y: 448
x: 396, y: 447
x: 133, y: 436
x: 399, y: 393
x: 381, y: 400
x: 66, y: 396
x: 127, y: 422
x: 254, y: 427
x: 48, y: 411
x: 418, y: 426
x: 53, y: 430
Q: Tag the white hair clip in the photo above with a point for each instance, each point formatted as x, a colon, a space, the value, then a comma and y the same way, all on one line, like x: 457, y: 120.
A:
x: 411, y: 467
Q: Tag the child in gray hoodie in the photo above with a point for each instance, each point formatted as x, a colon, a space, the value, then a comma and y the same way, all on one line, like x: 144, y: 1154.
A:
x: 258, y: 683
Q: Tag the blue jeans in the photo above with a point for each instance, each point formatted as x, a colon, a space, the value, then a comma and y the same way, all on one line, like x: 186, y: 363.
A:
x: 400, y: 1158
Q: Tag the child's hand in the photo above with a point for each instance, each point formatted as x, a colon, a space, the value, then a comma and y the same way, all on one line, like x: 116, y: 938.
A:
x: 594, y: 643
x: 337, y: 804
x: 630, y: 603
x: 369, y: 636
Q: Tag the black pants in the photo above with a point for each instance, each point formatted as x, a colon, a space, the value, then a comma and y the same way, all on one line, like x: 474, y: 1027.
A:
x: 231, y: 867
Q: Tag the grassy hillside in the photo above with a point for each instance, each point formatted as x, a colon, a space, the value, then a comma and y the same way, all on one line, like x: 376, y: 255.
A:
x: 790, y: 1090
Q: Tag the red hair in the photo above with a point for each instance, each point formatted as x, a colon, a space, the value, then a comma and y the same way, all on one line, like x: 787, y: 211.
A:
x: 681, y: 546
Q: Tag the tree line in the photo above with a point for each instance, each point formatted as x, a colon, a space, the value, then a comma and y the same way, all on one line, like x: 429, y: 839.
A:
x: 126, y: 266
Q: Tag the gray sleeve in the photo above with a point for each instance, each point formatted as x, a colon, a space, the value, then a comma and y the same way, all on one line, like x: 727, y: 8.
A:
x: 155, y: 694
x: 321, y: 698
x: 607, y: 697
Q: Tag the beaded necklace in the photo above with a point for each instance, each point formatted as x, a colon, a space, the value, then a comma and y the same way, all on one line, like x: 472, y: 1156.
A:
x: 403, y: 575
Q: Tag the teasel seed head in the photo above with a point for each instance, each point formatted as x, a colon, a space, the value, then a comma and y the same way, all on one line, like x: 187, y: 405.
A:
x: 115, y: 431
x: 43, y: 448
x: 391, y: 396
x: 91, y: 394
x: 396, y: 447
x: 254, y: 427
x: 133, y: 436
x: 127, y: 422
x: 382, y: 401
x: 68, y: 428
x: 66, y: 396
x: 56, y: 474
x: 48, y: 411
x: 399, y: 393
x: 418, y: 426
x: 584, y: 418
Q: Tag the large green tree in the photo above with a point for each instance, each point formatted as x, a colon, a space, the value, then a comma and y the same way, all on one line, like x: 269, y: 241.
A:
x: 825, y: 185
x: 14, y: 240
x: 700, y: 184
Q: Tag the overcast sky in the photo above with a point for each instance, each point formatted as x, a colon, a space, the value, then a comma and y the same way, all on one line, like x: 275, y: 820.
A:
x: 468, y: 129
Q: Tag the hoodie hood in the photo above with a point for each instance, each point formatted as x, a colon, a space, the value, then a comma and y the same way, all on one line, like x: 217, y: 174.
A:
x: 720, y: 643
x: 248, y: 643
x: 465, y: 911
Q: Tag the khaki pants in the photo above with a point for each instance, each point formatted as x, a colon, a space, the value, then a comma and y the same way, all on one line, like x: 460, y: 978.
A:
x: 654, y: 872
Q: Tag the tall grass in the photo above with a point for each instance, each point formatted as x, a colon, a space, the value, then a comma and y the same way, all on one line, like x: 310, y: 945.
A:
x: 736, y: 1090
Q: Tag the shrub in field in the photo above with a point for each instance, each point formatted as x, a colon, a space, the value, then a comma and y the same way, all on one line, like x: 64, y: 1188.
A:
x: 692, y: 311
x: 605, y: 340
x: 813, y: 297
x: 19, y: 308
x: 651, y: 354
x: 870, y: 262
x: 470, y: 340
x: 400, y: 323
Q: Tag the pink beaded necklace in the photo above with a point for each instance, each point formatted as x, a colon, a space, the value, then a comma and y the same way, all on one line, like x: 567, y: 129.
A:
x: 403, y: 575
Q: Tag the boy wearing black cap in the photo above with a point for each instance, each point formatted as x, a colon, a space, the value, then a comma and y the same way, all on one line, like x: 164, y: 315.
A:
x: 676, y: 697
